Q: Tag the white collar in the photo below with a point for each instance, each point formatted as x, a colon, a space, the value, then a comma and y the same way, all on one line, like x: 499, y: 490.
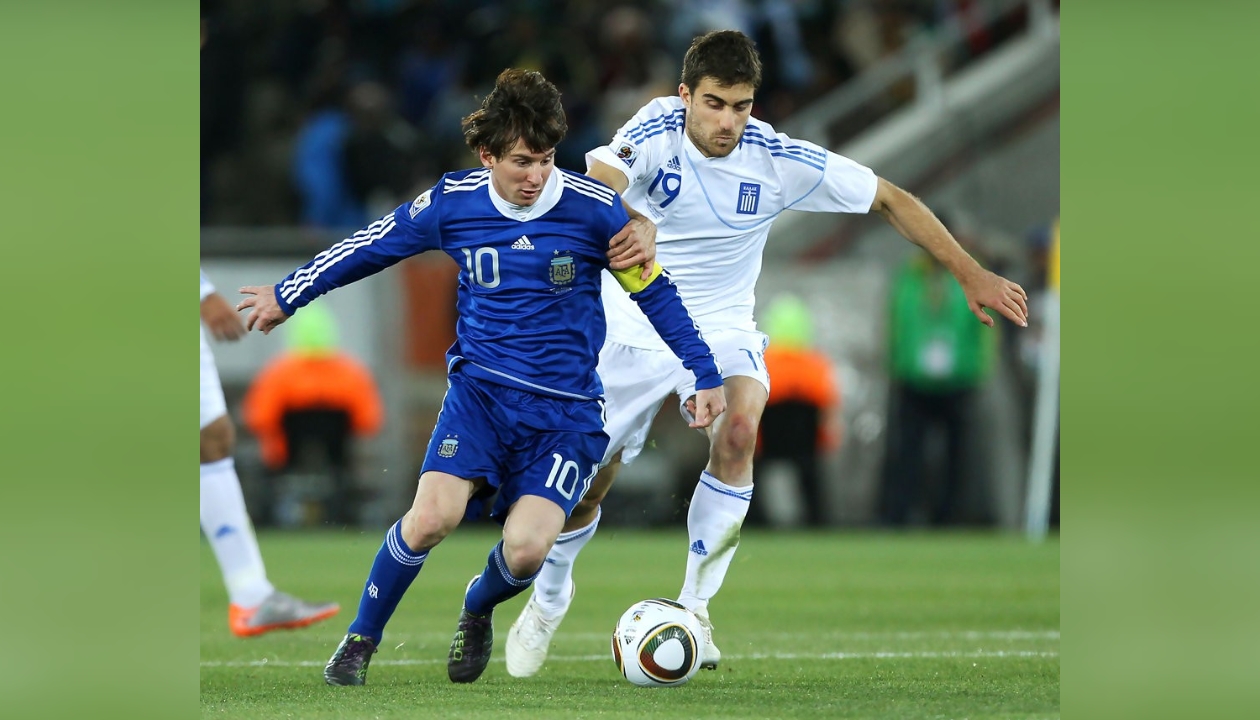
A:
x: 547, y: 199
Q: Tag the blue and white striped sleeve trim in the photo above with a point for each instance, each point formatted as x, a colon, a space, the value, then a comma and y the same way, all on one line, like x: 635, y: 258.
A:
x: 587, y: 187
x: 290, y: 290
x: 668, y: 122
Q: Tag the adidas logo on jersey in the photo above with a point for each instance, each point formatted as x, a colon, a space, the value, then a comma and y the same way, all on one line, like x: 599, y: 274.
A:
x: 697, y: 547
x: 673, y: 164
x: 523, y: 244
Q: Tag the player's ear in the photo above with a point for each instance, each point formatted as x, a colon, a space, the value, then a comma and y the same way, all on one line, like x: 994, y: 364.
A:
x: 684, y: 93
x: 487, y: 160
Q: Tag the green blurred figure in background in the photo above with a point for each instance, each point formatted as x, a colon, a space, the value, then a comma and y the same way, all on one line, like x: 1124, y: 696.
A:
x: 940, y: 356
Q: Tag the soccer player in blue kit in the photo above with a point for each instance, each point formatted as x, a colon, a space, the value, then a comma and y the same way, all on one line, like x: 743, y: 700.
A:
x: 524, y: 410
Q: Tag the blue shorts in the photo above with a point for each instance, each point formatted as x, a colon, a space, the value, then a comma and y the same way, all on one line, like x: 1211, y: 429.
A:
x: 521, y: 442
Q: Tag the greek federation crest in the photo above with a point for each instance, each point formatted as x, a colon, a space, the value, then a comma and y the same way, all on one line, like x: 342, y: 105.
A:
x: 562, y: 269
x: 448, y: 447
x: 749, y: 197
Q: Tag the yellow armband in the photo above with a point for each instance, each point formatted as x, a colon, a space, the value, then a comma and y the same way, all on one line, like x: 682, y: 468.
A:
x: 630, y: 278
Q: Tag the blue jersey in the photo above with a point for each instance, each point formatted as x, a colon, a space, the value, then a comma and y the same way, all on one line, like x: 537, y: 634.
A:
x: 529, y: 305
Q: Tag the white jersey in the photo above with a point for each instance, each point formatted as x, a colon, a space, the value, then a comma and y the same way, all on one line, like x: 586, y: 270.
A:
x: 713, y: 215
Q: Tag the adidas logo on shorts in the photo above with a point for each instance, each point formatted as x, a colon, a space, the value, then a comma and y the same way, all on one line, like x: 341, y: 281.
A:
x: 523, y: 244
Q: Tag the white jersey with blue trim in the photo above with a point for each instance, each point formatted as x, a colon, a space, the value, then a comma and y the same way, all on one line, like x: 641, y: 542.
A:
x: 713, y: 215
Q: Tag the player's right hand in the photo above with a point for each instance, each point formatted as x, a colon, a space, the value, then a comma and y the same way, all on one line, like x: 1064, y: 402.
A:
x: 265, y: 312
x: 223, y: 322
x: 634, y: 244
x: 706, y: 406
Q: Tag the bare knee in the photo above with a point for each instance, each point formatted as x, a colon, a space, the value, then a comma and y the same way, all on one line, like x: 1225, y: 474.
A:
x: 217, y: 440
x: 735, y: 440
x: 425, y: 527
x: 525, y: 555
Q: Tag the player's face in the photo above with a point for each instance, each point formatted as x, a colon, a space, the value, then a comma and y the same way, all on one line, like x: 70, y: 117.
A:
x: 716, y: 115
x: 520, y: 174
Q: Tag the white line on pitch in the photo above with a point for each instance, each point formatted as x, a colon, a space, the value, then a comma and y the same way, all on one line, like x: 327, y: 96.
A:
x: 838, y: 635
x: 608, y: 658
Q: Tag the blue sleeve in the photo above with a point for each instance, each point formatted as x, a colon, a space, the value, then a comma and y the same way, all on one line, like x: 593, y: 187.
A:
x: 411, y: 229
x: 664, y: 308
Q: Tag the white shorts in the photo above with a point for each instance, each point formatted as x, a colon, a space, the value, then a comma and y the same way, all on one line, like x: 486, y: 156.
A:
x: 636, y: 382
x: 213, y: 406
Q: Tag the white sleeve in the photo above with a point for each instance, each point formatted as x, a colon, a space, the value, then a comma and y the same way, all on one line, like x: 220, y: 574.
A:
x: 636, y: 148
x: 207, y: 287
x: 818, y: 180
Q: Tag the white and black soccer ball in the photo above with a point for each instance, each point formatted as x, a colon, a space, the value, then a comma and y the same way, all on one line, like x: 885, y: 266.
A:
x: 657, y: 643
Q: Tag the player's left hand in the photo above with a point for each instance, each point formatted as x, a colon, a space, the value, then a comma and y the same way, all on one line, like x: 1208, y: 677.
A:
x: 265, y: 312
x: 221, y: 319
x: 634, y: 244
x: 706, y: 406
x: 989, y: 290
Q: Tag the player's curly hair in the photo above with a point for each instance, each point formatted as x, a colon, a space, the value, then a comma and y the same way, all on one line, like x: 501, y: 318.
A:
x: 524, y: 105
x: 728, y: 56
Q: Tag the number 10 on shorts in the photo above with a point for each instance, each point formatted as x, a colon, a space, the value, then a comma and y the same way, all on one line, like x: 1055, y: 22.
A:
x: 565, y: 483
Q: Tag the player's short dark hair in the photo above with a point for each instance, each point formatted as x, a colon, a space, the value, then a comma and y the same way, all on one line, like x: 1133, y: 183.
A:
x: 522, y: 106
x: 728, y: 56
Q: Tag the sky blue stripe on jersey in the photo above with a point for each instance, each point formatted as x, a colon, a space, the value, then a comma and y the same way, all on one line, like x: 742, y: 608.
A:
x: 816, y: 164
x: 821, y: 176
x: 656, y: 126
x: 526, y: 383
x: 774, y: 140
x: 588, y: 183
x: 303, y: 279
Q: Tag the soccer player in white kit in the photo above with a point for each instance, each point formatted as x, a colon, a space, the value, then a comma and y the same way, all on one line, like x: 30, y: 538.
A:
x: 255, y: 607
x: 714, y: 179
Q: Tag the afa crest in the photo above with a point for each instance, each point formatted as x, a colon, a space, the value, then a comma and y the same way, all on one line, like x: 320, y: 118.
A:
x: 448, y: 448
x: 562, y: 269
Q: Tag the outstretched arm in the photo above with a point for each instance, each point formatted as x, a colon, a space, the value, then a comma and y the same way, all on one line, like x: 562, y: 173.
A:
x: 910, y: 217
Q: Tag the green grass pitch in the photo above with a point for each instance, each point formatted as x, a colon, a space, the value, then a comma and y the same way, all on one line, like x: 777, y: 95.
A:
x: 811, y: 625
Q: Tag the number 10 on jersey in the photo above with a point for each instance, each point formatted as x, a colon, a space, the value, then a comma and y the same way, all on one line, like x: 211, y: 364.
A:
x: 475, y: 262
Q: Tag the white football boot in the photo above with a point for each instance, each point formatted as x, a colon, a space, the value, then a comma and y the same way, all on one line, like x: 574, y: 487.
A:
x: 530, y: 637
x: 710, y: 656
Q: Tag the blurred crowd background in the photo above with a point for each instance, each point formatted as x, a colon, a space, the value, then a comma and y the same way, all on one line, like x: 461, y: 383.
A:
x: 325, y: 112
x: 320, y: 115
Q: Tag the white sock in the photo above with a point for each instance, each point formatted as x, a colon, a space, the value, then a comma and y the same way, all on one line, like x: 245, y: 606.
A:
x: 231, y: 534
x: 555, y: 580
x: 713, y: 521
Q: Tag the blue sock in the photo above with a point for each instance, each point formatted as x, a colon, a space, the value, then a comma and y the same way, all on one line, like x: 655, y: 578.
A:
x: 495, y: 585
x: 396, y: 565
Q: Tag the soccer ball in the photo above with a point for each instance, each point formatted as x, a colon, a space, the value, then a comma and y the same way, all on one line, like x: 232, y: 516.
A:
x: 657, y: 643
